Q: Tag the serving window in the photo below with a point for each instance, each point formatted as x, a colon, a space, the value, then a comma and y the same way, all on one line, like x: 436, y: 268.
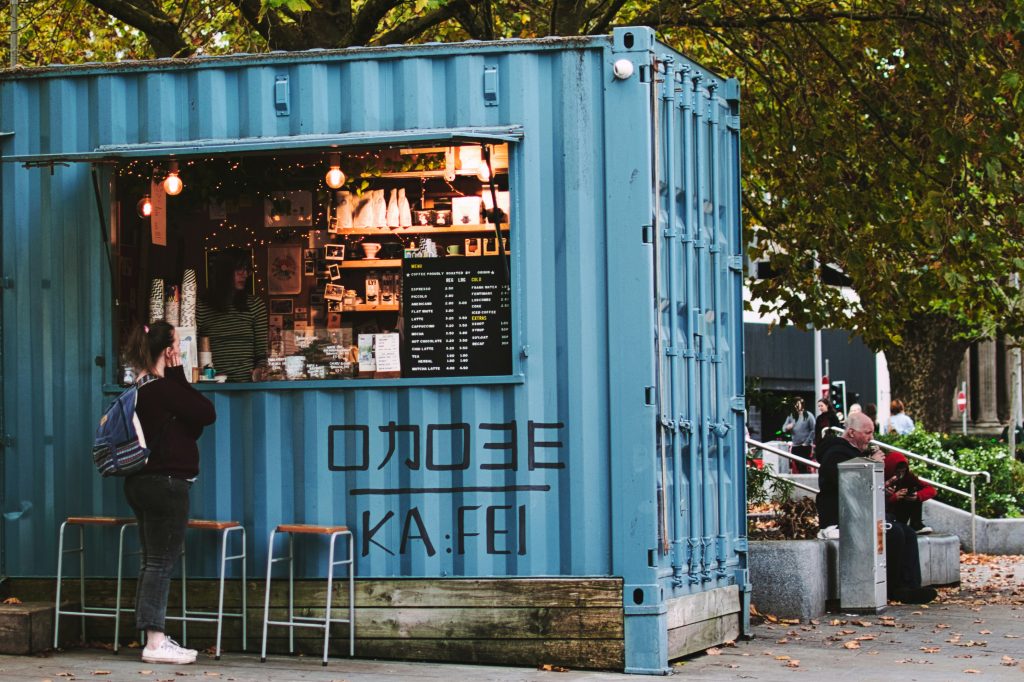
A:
x: 377, y: 263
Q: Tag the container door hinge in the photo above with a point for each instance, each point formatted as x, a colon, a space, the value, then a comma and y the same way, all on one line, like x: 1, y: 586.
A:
x: 645, y: 73
x: 737, y: 403
x: 649, y: 395
x: 7, y: 282
x: 736, y: 263
x: 524, y: 352
x: 740, y: 545
x: 671, y: 351
x: 281, y: 96
x: 490, y: 85
x: 732, y: 122
x: 647, y: 234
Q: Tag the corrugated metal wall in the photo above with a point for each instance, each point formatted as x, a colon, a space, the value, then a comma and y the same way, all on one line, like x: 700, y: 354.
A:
x: 266, y: 460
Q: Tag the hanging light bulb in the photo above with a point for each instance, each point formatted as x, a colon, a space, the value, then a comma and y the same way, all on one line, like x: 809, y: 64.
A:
x: 172, y: 183
x: 335, y: 177
x: 483, y: 171
x: 145, y: 207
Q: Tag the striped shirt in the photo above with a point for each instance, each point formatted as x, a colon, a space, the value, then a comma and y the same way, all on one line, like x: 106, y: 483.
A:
x: 238, y: 339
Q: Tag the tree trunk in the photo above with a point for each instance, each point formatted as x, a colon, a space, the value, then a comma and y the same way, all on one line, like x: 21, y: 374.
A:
x: 923, y: 369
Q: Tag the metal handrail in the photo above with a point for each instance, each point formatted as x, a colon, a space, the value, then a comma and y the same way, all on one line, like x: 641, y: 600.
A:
x: 789, y: 455
x: 972, y: 495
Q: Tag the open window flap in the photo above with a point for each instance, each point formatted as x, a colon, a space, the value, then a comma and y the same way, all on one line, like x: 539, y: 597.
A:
x: 272, y: 144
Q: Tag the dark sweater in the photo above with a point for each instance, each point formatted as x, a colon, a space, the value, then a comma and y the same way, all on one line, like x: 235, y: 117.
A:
x: 835, y: 452
x: 173, y: 441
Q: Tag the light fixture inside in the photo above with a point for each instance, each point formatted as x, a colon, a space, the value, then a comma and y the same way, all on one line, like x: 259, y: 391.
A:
x: 483, y: 171
x: 335, y: 178
x: 172, y: 183
x: 145, y: 207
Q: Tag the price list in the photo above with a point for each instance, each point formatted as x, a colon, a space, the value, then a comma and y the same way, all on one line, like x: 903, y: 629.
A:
x: 458, y: 319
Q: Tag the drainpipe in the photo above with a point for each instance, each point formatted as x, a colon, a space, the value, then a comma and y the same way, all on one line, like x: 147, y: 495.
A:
x: 14, y: 33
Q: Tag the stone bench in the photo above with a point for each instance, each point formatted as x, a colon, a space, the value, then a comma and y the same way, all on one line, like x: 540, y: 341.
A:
x: 798, y: 578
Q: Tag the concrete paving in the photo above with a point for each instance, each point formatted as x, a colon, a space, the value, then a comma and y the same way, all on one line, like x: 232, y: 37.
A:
x: 972, y: 632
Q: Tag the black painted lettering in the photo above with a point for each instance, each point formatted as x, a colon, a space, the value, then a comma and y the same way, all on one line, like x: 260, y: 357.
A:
x: 454, y: 465
x: 462, y: 527
x: 493, y: 531
x: 522, y: 530
x: 392, y: 429
x: 368, y: 532
x: 512, y: 445
x: 414, y: 517
x: 365, y: 454
x: 535, y: 444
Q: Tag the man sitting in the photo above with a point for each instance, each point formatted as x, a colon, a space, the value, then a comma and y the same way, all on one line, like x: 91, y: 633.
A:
x: 903, y: 564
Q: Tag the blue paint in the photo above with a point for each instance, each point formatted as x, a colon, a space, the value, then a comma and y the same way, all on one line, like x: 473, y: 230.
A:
x: 563, y: 472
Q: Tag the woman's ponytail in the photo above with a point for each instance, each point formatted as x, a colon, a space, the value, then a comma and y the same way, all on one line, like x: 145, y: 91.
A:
x: 146, y: 342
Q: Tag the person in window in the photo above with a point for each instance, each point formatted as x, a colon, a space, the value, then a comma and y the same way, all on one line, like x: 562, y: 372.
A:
x: 234, y: 320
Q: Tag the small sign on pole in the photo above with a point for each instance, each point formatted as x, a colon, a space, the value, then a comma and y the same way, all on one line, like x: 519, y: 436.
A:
x: 961, y: 401
x: 824, y: 387
x: 961, y: 404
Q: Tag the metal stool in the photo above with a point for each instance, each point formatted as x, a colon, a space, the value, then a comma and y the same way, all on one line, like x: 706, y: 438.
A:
x: 122, y: 524
x: 305, y: 621
x: 225, y: 528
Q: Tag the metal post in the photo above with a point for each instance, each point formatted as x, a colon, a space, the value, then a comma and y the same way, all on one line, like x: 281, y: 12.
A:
x: 963, y: 415
x: 974, y: 546
x: 817, y: 369
x: 14, y: 33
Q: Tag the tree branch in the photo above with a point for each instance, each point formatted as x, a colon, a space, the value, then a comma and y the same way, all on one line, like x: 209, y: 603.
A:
x: 367, y: 21
x: 659, y: 17
x: 159, y: 28
x: 407, y: 30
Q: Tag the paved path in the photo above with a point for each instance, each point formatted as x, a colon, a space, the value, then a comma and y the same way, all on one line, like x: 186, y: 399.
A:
x: 975, y: 632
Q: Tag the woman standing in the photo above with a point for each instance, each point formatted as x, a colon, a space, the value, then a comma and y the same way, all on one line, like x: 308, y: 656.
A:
x: 826, y: 419
x: 173, y: 415
x: 801, y: 424
x: 235, y: 320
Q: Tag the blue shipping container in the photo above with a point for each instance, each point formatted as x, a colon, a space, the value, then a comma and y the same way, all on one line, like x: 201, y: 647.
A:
x: 614, y: 448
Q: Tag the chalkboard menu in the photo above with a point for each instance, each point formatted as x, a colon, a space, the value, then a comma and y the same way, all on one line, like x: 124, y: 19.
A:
x: 457, y: 317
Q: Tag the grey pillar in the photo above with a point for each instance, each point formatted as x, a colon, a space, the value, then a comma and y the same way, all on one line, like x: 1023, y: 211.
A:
x: 988, y: 418
x: 962, y: 375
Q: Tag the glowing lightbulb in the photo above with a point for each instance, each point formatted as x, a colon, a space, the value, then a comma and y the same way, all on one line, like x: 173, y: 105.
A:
x: 483, y: 171
x: 335, y: 178
x: 144, y: 208
x: 172, y: 183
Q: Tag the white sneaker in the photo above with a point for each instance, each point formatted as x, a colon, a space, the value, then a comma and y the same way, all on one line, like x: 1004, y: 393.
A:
x: 829, y: 533
x: 924, y: 530
x: 169, y: 652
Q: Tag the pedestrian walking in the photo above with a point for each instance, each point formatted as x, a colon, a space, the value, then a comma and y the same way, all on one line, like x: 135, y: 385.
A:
x: 800, y: 423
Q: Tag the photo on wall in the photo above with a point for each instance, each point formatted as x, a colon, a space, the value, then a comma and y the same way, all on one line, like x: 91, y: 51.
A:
x: 284, y: 274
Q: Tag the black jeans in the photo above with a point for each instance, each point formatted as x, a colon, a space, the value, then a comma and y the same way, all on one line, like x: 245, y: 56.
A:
x: 903, y: 563
x: 909, y: 512
x: 160, y: 504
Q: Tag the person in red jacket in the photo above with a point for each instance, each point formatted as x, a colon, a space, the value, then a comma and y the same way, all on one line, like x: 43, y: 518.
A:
x: 172, y: 414
x: 905, y: 493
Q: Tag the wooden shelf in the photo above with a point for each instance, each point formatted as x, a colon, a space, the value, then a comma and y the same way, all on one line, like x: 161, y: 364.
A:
x: 435, y: 173
x: 373, y: 263
x: 449, y: 229
x: 371, y: 308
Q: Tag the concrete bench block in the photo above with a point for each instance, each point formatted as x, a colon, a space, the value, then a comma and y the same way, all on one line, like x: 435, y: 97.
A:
x: 943, y: 563
x: 789, y: 578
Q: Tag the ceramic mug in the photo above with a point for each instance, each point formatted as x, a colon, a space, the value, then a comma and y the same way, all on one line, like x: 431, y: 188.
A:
x: 453, y: 250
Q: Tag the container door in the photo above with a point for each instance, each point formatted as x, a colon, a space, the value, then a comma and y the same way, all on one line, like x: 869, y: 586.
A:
x: 698, y: 268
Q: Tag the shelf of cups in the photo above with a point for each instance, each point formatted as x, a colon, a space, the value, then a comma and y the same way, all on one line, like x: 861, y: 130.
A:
x: 448, y: 229
x: 373, y: 263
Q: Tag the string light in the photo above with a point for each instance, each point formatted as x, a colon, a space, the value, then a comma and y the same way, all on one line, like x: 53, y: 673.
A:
x: 145, y: 207
x: 335, y: 178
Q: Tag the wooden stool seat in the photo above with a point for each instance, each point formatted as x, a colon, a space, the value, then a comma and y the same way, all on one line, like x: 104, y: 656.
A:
x: 100, y: 520
x: 306, y: 528
x: 207, y: 524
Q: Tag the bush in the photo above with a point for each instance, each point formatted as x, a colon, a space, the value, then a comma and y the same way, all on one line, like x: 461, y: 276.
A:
x: 1003, y: 497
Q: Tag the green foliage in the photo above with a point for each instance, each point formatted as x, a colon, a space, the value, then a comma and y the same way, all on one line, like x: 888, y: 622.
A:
x: 762, y: 488
x: 1003, y: 497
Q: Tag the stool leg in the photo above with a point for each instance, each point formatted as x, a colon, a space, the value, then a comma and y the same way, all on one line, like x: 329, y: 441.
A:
x: 117, y: 604
x: 184, y: 598
x: 330, y: 590
x: 81, y: 574
x: 220, y: 595
x: 351, y: 597
x: 245, y: 612
x: 60, y: 575
x: 266, y: 596
x: 291, y: 593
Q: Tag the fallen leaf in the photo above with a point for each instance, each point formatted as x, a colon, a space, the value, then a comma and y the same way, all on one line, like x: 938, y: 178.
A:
x: 873, y: 653
x: 847, y: 632
x: 851, y: 645
x: 862, y: 623
x: 888, y: 623
x: 65, y: 674
x: 729, y: 642
x: 1008, y: 661
x: 836, y: 621
x: 790, y: 621
x: 793, y: 664
x: 145, y: 672
x: 100, y: 672
x: 782, y: 641
x: 733, y: 665
x: 931, y: 649
x: 782, y: 658
x: 713, y: 652
x: 972, y: 671
x: 12, y: 600
x: 865, y: 638
x: 553, y: 668
x: 963, y: 656
x: 984, y: 632
x: 815, y: 621
x: 942, y: 626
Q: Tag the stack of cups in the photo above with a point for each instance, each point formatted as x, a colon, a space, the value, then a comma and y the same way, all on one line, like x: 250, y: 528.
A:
x: 156, y: 300
x: 172, y: 308
x: 188, y: 300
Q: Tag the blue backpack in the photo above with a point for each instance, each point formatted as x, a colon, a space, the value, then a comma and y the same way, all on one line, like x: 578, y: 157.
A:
x: 119, y: 448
